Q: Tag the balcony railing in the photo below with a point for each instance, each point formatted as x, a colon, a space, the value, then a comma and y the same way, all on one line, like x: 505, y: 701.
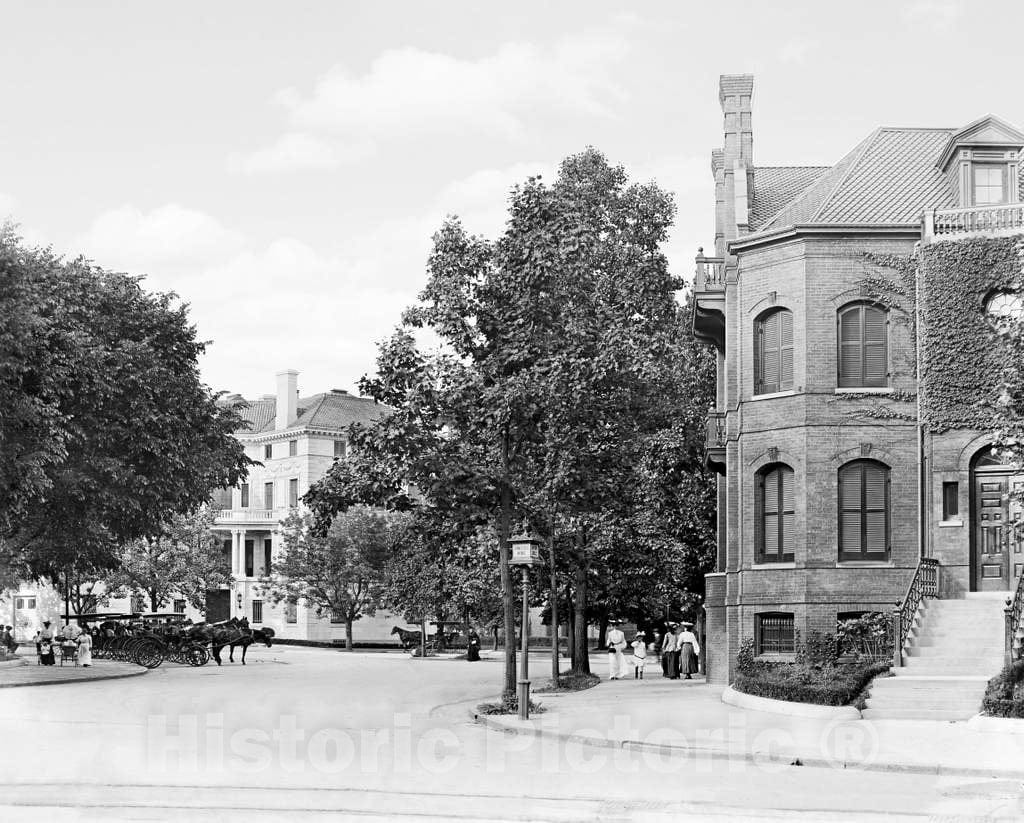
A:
x: 715, y: 430
x: 252, y: 515
x: 949, y: 224
x: 710, y: 273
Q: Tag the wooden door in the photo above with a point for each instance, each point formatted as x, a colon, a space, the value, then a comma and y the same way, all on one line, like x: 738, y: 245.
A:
x: 998, y: 531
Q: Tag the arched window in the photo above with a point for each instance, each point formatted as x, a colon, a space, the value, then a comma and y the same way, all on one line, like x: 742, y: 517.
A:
x: 863, y: 346
x: 773, y: 352
x: 864, y: 511
x: 774, y: 504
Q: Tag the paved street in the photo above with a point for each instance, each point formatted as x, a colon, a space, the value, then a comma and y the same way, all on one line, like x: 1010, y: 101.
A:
x: 300, y: 732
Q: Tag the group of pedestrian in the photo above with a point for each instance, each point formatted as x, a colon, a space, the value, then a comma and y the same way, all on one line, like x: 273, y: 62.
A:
x: 679, y: 650
x: 70, y: 636
x: 7, y: 639
x: 678, y: 647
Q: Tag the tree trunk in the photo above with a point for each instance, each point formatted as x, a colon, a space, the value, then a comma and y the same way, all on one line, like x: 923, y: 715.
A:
x: 582, y: 663
x: 439, y: 642
x: 508, y: 607
x: 495, y: 631
x: 554, y: 605
x: 348, y: 634
x: 602, y: 631
x: 570, y: 625
x: 152, y: 601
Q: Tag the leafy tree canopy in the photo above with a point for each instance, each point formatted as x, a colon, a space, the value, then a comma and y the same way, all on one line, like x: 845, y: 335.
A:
x: 108, y: 430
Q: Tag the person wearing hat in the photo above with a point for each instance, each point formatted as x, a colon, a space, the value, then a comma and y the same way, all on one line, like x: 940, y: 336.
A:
x: 668, y: 651
x: 616, y: 645
x: 639, y: 645
x: 44, y: 644
x: 689, y: 648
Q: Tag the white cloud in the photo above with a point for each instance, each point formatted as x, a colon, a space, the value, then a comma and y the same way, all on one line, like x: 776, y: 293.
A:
x: 411, y: 93
x: 937, y: 15
x: 171, y: 235
x: 7, y: 205
x: 292, y: 152
x: 796, y: 51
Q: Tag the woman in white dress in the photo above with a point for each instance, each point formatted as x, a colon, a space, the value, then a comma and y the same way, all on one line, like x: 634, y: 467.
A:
x: 84, y: 649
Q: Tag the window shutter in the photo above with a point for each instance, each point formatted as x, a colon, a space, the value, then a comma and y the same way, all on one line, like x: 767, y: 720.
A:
x: 850, y: 349
x: 771, y: 515
x: 875, y: 510
x: 769, y: 354
x: 849, y: 516
x: 875, y: 359
x: 785, y: 350
x: 786, y: 533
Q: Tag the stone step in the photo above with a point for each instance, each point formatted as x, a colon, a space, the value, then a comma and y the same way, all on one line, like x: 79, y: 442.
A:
x: 1000, y: 596
x: 925, y: 677
x: 916, y: 714
x: 944, y: 650
x: 968, y: 707
x: 915, y: 666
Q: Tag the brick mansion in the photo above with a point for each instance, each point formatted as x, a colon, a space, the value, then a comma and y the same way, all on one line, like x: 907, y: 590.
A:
x: 836, y: 490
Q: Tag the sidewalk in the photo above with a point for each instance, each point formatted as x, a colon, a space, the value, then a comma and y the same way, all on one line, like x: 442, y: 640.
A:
x: 688, y: 719
x: 29, y: 674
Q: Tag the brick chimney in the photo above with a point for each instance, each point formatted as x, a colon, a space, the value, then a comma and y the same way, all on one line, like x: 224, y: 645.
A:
x: 287, y: 398
x: 734, y: 93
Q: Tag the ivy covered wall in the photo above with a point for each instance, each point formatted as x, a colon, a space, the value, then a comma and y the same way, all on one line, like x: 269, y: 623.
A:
x: 964, y: 359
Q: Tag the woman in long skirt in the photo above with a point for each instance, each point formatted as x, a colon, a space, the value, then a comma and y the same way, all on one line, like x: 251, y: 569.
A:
x: 689, y: 649
x: 85, y: 649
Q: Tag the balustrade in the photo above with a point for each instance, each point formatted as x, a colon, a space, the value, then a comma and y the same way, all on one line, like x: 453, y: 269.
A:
x: 1014, y: 610
x: 710, y: 273
x: 948, y: 224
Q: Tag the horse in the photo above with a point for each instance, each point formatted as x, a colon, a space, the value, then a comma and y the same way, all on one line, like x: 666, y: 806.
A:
x: 218, y: 635
x: 407, y: 638
x: 257, y: 635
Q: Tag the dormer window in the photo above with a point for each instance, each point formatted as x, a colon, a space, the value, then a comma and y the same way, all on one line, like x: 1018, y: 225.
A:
x: 989, y: 184
x: 981, y: 163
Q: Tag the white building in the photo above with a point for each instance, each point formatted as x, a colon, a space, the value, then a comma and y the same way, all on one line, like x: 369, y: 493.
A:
x: 296, y: 440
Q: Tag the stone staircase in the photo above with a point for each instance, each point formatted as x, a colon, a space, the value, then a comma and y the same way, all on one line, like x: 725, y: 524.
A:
x: 954, y: 648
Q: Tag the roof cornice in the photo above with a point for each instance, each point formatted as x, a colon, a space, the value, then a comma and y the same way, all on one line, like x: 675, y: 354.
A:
x: 888, y: 230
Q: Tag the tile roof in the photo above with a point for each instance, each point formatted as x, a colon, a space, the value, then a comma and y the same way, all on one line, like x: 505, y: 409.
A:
x: 775, y: 186
x: 330, y: 410
x: 891, y: 177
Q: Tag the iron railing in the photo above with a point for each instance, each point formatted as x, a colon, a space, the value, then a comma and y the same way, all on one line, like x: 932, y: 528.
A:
x: 715, y: 438
x: 948, y: 224
x: 1014, y: 610
x: 710, y: 273
x: 925, y: 583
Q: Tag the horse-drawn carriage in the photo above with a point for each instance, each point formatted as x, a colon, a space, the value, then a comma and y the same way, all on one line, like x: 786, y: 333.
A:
x: 150, y: 639
x: 145, y: 639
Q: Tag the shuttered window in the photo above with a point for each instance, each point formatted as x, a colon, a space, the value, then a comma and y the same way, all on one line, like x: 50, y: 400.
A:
x: 863, y: 347
x: 257, y: 611
x: 773, y: 353
x: 864, y: 511
x: 775, y: 515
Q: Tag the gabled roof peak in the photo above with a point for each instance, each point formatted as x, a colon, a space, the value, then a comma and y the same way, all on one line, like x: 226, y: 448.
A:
x: 985, y: 131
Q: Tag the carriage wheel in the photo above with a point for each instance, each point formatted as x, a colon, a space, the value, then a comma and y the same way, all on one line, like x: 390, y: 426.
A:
x: 149, y: 654
x: 197, y: 654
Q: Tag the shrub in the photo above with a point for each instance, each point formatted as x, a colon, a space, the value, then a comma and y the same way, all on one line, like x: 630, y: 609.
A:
x: 814, y: 677
x: 1004, y: 695
x: 569, y: 682
x: 509, y: 704
x: 867, y: 637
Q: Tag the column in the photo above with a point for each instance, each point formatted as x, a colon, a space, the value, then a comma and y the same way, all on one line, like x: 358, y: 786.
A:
x: 241, y: 553
x: 235, y: 552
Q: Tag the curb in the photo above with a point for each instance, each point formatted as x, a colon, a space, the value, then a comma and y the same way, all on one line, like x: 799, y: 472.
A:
x: 90, y: 679
x: 995, y: 725
x: 767, y: 704
x: 814, y: 761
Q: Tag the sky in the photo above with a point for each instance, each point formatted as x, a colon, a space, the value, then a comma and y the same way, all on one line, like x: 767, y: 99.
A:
x: 282, y: 166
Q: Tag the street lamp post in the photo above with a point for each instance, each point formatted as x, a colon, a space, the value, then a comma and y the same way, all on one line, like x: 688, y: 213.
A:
x: 525, y: 553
